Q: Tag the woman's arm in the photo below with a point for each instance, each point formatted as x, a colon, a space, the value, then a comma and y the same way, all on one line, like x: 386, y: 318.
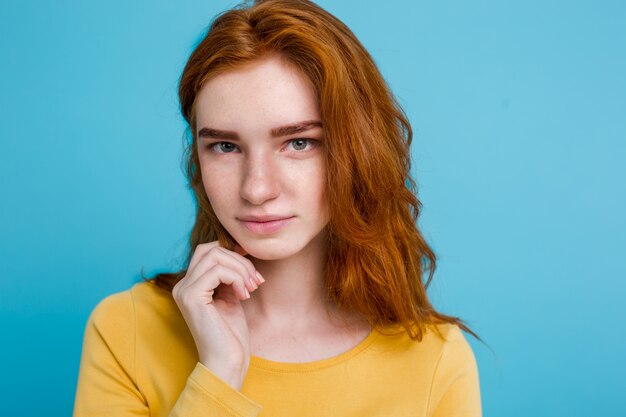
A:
x: 455, y: 390
x: 107, y: 383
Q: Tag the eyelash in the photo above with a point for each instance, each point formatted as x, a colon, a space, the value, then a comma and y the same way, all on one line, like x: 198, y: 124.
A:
x: 212, y: 146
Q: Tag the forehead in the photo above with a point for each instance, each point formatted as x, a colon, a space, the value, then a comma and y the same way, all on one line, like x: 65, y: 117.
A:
x: 260, y: 95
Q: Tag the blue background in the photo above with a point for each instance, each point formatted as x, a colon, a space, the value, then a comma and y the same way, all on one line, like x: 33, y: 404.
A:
x: 519, y: 111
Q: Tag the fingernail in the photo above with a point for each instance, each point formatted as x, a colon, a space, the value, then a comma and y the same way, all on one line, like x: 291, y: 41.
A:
x: 254, y: 284
x: 260, y: 277
x: 247, y: 293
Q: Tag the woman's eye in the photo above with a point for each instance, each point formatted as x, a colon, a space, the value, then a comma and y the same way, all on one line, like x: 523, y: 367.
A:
x: 221, y: 147
x: 301, y: 144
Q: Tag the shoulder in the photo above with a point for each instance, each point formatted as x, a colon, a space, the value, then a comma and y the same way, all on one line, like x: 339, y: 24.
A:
x: 126, y: 320
x: 113, y: 309
x: 455, y: 353
x: 447, y: 346
x: 442, y: 352
x: 431, y: 374
x: 455, y: 386
x: 449, y: 338
x: 435, y: 338
x: 121, y: 310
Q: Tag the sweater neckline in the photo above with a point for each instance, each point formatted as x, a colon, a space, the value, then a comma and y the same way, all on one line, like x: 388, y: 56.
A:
x: 270, y: 365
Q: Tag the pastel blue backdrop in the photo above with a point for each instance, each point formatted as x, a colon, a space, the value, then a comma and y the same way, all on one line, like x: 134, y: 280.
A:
x: 519, y: 111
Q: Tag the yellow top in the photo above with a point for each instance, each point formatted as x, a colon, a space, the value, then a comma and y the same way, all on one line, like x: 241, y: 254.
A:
x: 139, y: 359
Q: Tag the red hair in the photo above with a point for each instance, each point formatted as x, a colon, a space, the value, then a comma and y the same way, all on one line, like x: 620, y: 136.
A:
x: 376, y: 253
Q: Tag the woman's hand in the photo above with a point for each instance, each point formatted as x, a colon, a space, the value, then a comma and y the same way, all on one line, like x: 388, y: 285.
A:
x: 209, y: 298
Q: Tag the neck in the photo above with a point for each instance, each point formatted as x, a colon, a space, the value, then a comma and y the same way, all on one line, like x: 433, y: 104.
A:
x: 294, y: 289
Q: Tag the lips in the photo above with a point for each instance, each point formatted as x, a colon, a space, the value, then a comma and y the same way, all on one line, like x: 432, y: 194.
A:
x: 265, y: 224
x: 263, y: 218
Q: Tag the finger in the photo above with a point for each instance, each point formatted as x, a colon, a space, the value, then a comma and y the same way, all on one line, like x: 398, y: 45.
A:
x: 246, y: 263
x: 256, y: 275
x: 217, y: 275
x: 199, y: 252
x: 225, y: 293
x: 219, y: 255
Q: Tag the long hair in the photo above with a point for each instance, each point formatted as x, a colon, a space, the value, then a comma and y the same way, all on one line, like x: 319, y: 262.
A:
x: 377, y: 256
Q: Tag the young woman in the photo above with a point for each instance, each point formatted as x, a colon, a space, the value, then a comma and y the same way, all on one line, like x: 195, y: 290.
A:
x: 303, y: 291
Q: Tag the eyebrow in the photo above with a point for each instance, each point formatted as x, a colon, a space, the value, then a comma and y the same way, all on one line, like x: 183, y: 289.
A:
x: 277, y: 132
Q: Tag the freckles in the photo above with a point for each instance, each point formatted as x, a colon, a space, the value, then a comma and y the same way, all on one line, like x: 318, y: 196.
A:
x: 216, y: 185
x: 220, y: 186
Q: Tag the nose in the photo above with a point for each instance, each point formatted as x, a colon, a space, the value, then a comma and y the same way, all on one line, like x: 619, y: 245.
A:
x: 260, y: 182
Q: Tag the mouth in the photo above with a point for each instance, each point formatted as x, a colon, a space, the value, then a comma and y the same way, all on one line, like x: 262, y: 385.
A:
x: 266, y: 226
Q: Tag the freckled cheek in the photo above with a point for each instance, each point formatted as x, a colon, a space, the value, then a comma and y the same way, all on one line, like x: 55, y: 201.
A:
x: 219, y: 186
x: 307, y: 177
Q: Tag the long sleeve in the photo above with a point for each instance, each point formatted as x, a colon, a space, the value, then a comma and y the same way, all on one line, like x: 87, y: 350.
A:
x: 456, y: 388
x: 205, y: 391
x: 107, y: 381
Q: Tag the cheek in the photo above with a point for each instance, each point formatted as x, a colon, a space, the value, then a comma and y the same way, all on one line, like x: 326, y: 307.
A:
x: 217, y: 187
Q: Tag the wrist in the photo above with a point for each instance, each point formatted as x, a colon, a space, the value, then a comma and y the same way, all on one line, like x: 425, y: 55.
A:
x: 233, y: 375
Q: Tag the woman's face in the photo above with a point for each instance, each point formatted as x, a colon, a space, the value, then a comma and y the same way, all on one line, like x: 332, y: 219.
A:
x: 260, y: 150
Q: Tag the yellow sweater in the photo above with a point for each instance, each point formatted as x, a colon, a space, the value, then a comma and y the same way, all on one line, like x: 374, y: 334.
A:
x: 139, y: 359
